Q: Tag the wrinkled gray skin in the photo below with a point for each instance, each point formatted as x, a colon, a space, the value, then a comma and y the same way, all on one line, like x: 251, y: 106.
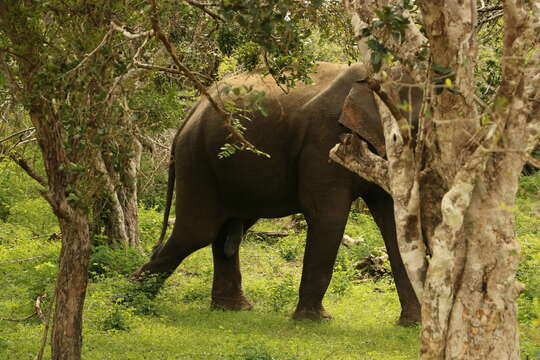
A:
x: 217, y: 199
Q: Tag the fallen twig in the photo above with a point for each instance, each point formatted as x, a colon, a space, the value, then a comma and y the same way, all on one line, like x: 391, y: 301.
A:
x: 22, y: 260
x: 37, y: 312
x: 269, y: 233
x: 47, y: 321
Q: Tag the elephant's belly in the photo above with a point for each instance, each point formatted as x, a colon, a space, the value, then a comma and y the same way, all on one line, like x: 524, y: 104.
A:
x: 254, y: 187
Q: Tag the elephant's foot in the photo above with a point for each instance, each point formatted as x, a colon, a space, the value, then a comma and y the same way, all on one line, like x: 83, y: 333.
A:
x: 311, y: 313
x: 236, y: 303
x: 409, y: 318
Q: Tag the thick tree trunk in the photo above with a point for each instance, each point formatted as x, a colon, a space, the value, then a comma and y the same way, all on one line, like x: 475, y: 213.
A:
x: 71, y: 286
x: 482, y: 322
x: 457, y: 186
x: 75, y: 252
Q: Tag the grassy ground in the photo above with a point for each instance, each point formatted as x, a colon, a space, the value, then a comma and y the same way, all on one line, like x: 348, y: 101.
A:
x: 121, y: 322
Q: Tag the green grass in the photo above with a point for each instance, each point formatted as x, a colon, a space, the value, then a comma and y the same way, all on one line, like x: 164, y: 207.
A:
x: 178, y: 324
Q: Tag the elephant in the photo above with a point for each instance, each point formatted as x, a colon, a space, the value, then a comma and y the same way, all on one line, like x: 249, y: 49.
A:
x: 220, y: 198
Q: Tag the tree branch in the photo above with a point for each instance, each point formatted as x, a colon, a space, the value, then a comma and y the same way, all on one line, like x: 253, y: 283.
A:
x: 89, y: 55
x: 37, y: 311
x: 489, y: 19
x: 403, y: 124
x: 167, y: 69
x: 490, y: 8
x: 228, y: 118
x: 130, y: 35
x: 354, y: 154
x: 28, y: 169
x: 204, y: 8
x: 17, y: 134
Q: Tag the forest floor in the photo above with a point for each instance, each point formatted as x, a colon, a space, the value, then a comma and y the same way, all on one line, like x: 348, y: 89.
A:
x: 122, y: 322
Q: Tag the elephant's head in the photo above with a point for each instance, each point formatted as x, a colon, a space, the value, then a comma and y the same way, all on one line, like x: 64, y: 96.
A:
x: 361, y: 114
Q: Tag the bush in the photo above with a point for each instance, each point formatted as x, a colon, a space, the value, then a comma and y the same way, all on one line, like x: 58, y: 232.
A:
x: 282, y: 294
x: 342, y: 281
x: 106, y: 261
x: 290, y: 247
x: 117, y: 319
x: 140, y: 295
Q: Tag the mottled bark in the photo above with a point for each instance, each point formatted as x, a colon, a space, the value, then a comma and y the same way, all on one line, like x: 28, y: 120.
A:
x: 116, y: 216
x: 71, y: 286
x: 75, y: 252
x: 454, y: 187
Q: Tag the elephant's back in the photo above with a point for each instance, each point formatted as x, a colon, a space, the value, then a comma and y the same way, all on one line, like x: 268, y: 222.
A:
x: 250, y: 184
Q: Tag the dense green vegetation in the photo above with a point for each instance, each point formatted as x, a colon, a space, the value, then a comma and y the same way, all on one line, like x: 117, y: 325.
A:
x: 122, y: 322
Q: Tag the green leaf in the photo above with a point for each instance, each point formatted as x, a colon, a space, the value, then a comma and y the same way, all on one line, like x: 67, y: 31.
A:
x: 440, y: 69
x: 376, y: 61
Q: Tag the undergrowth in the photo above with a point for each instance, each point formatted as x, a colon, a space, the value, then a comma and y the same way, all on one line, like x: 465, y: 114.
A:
x: 127, y: 320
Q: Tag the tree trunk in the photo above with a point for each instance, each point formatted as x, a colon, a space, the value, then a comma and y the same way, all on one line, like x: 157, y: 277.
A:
x: 456, y: 187
x: 483, y: 318
x: 71, y: 286
x: 116, y: 216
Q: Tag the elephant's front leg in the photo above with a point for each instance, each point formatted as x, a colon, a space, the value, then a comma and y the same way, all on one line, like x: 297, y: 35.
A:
x: 227, y: 291
x: 323, y: 239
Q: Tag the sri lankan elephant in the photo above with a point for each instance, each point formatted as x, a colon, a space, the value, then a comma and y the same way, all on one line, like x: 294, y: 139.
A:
x: 218, y: 198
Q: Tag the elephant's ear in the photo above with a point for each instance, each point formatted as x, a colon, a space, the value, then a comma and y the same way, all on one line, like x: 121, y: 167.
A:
x: 360, y: 113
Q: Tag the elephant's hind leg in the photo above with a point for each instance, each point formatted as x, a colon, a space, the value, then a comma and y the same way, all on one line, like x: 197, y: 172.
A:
x: 227, y: 291
x: 184, y: 240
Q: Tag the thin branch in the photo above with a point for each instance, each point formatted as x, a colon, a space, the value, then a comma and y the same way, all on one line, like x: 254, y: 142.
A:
x: 204, y: 8
x: 149, y: 139
x: 17, y: 134
x: 490, y: 8
x: 167, y: 69
x: 129, y: 72
x: 19, y: 319
x: 11, y: 52
x: 28, y: 169
x: 39, y: 355
x: 37, y: 311
x: 404, y: 126
x: 129, y: 34
x: 87, y: 56
x: 228, y: 118
x: 489, y: 19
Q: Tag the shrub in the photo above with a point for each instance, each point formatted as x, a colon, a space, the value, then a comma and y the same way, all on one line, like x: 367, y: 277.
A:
x: 11, y: 234
x: 290, y: 247
x: 282, y: 293
x: 107, y: 261
x: 140, y: 295
x: 341, y: 282
x: 117, y: 319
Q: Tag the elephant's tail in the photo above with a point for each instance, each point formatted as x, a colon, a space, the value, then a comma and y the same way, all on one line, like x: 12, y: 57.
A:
x: 170, y: 186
